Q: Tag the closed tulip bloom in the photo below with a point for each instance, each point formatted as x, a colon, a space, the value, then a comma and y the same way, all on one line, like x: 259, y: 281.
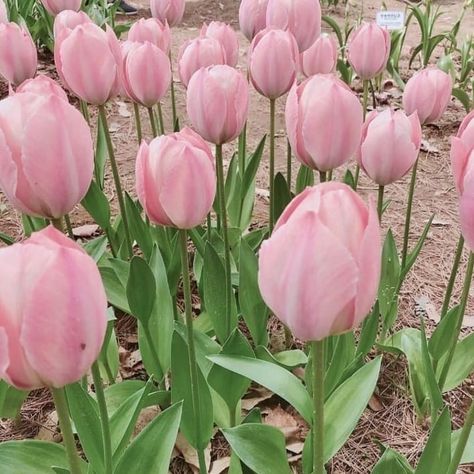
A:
x: 152, y: 30
x: 42, y: 85
x: 171, y: 11
x: 252, y: 17
x: 46, y: 154
x: 67, y: 20
x: 57, y: 6
x: 273, y: 62
x: 198, y: 53
x: 462, y: 156
x: 398, y: 136
x: 427, y: 93
x: 217, y: 103
x: 319, y: 271
x: 3, y: 12
x: 320, y: 58
x: 301, y: 17
x: 175, y: 178
x: 18, y: 56
x: 53, y: 318
x: 226, y: 36
x: 368, y: 50
x: 323, y: 122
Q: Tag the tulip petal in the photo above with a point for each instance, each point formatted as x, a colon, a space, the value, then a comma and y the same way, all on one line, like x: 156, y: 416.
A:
x: 466, y: 212
x: 4, y: 356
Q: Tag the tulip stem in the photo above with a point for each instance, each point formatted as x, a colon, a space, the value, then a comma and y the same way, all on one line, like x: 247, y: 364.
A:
x: 60, y: 403
x: 242, y: 150
x: 104, y: 418
x: 406, y: 235
x: 138, y: 122
x: 116, y: 175
x: 317, y: 354
x: 191, y: 348
x: 58, y: 223
x: 272, y: 163
x: 288, y: 164
x: 322, y: 176
x: 173, y: 97
x: 452, y: 277
x: 380, y: 202
x: 161, y: 122
x: 225, y: 235
x: 85, y: 111
x: 460, y: 317
x: 152, y: 122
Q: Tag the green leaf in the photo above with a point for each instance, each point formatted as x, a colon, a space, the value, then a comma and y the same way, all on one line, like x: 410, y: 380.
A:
x: 468, y: 455
x: 260, y: 447
x: 340, y: 356
x: 11, y: 400
x: 101, y: 154
x: 139, y: 230
x: 108, y: 360
x: 150, y: 451
x: 335, y: 27
x: 113, y: 273
x: 272, y: 376
x: 287, y: 359
x: 462, y: 364
x: 282, y: 195
x: 6, y: 239
x: 117, y: 393
x: 463, y: 97
x: 95, y: 202
x: 304, y: 178
x: 96, y: 247
x: 141, y: 290
x: 369, y: 331
x: 392, y: 462
x: 437, y: 344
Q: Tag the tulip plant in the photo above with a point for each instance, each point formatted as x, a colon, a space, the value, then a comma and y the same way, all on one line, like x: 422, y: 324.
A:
x: 185, y: 256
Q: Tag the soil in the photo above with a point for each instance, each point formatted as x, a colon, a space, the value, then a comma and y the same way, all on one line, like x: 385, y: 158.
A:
x: 392, y: 421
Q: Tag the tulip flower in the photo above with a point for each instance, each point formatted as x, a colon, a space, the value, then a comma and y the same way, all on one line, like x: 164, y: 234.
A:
x: 3, y: 12
x: 427, y: 93
x: 46, y: 154
x: 57, y: 6
x: 368, y: 50
x: 53, y: 318
x: 252, y: 17
x: 152, y: 30
x: 301, y: 17
x: 323, y: 121
x: 320, y: 58
x: 198, y: 53
x: 226, y: 36
x: 18, y: 57
x: 42, y: 85
x: 68, y: 20
x: 176, y: 182
x: 170, y: 11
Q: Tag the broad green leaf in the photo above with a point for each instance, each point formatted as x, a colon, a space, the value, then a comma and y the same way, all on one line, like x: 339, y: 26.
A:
x: 463, y: 97
x: 392, y: 462
x: 339, y: 356
x: 462, y: 364
x: 114, y: 273
x: 108, y: 360
x: 117, y: 393
x: 287, y: 359
x: 141, y: 290
x: 304, y: 178
x: 11, y: 400
x: 282, y: 195
x: 6, y: 239
x: 97, y: 205
x: 437, y: 344
x: 369, y: 331
x: 96, y: 247
x: 139, y: 230
x: 468, y: 455
x: 100, y: 154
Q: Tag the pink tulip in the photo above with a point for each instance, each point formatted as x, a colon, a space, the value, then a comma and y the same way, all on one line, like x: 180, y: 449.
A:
x: 171, y: 11
x: 427, y: 93
x: 319, y: 271
x: 46, y: 154
x: 3, y: 12
x: 226, y: 36
x: 57, y: 6
x: 273, y: 62
x: 462, y: 156
x: 217, y: 103
x: 398, y: 136
x: 320, y: 58
x: 176, y: 182
x: 252, y: 17
x: 152, y: 30
x: 368, y: 50
x: 18, y: 57
x: 300, y: 17
x: 198, y: 53
x: 53, y: 318
x: 67, y: 20
x: 42, y: 85
x: 88, y: 59
x: 323, y: 121
x: 146, y: 73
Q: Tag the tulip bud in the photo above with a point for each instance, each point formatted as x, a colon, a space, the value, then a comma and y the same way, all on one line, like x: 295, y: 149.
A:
x: 57, y: 6
x: 176, y: 182
x: 320, y: 58
x: 170, y: 11
x: 273, y: 62
x: 152, y: 30
x: 301, y: 17
x: 323, y: 122
x: 398, y: 136
x: 67, y: 20
x: 18, y: 57
x: 462, y: 147
x: 46, y: 154
x: 319, y: 271
x: 42, y: 85
x: 198, y: 53
x: 54, y: 312
x: 427, y: 93
x: 226, y: 36
x: 368, y: 50
x: 3, y: 12
x: 217, y: 103
x: 252, y: 17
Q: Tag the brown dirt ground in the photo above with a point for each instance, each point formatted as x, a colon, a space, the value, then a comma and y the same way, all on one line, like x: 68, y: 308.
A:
x: 394, y: 424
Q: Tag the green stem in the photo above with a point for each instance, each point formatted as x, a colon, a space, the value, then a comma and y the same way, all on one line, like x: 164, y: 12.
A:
x: 225, y: 235
x: 58, y: 223
x: 317, y: 353
x: 138, y: 122
x: 152, y: 122
x: 154, y: 354
x: 104, y: 418
x: 242, y: 150
x: 406, y: 235
x: 161, y: 123
x: 272, y: 163
x: 111, y: 243
x: 452, y: 277
x: 288, y: 164
x: 380, y: 202
x: 322, y: 176
x: 85, y: 111
x: 116, y: 175
x: 209, y: 227
x: 70, y: 232
x: 173, y: 97
x: 60, y: 402
x: 191, y: 348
